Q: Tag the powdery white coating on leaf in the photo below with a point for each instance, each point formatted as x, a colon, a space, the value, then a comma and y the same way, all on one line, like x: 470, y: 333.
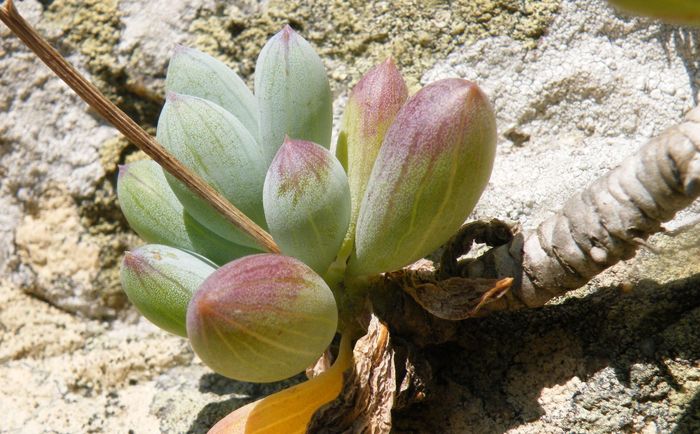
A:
x: 293, y: 93
x: 192, y: 72
x: 307, y: 203
x: 433, y: 165
x: 262, y: 318
x: 213, y: 143
x: 154, y: 212
x: 160, y: 281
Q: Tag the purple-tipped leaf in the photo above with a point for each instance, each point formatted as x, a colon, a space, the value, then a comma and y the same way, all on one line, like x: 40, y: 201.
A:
x: 371, y: 108
x: 307, y: 203
x: 435, y: 162
x: 160, y: 281
x: 261, y: 318
x: 294, y: 96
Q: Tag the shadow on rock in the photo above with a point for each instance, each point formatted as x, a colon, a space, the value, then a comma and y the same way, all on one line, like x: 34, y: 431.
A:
x: 602, y: 362
x: 241, y: 393
x: 689, y: 423
x: 686, y: 42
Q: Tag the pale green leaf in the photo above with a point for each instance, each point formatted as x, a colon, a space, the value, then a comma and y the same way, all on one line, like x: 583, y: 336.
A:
x: 215, y: 145
x: 293, y: 93
x: 194, y: 73
x: 154, y: 212
x: 307, y: 203
x: 160, y: 281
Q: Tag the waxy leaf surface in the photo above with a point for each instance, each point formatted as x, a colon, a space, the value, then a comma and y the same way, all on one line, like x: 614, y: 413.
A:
x: 262, y: 318
x: 160, y: 281
x: 293, y: 93
x: 371, y: 108
x: 214, y: 144
x: 434, y: 163
x: 194, y: 73
x: 154, y: 212
x: 307, y: 203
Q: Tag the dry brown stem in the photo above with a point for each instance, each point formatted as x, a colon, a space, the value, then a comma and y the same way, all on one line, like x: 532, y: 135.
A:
x: 603, y: 224
x: 384, y: 377
x: 131, y: 130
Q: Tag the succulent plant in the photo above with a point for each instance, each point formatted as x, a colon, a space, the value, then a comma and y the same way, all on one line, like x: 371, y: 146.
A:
x: 414, y: 169
x: 307, y: 203
x: 213, y: 143
x: 293, y: 93
x: 154, y: 212
x: 403, y: 176
x: 160, y: 281
x: 434, y: 162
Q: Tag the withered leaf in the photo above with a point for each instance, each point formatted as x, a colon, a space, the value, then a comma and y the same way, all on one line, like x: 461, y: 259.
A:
x: 458, y: 298
x: 365, y: 403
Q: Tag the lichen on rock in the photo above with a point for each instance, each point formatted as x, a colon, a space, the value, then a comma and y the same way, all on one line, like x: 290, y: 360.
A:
x: 352, y: 36
x: 93, y: 29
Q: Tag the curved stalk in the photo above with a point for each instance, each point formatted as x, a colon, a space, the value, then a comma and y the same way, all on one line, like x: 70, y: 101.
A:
x: 603, y: 224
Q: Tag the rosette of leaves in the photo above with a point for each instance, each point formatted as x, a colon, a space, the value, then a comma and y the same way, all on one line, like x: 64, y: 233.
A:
x: 404, y: 175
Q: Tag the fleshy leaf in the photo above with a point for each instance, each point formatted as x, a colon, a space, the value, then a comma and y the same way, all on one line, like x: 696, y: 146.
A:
x: 289, y: 410
x: 293, y: 93
x: 307, y: 203
x: 262, y: 318
x: 214, y: 144
x: 194, y: 73
x: 435, y: 161
x: 371, y: 108
x: 160, y: 280
x: 153, y: 212
x: 673, y: 11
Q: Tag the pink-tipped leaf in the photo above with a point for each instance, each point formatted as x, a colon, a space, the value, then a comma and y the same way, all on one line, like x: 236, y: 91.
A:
x: 371, y: 108
x: 307, y: 203
x: 261, y: 318
x: 160, y: 281
x: 435, y: 162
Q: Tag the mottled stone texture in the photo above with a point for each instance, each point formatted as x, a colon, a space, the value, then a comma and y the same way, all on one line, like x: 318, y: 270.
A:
x: 575, y: 88
x: 605, y: 362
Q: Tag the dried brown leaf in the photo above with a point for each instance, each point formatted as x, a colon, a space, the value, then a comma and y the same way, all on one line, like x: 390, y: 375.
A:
x: 365, y: 404
x: 322, y: 365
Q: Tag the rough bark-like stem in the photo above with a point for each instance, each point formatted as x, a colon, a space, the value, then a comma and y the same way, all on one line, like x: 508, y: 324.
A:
x: 603, y: 224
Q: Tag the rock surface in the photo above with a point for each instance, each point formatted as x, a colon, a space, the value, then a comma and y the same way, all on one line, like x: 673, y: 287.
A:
x: 576, y: 88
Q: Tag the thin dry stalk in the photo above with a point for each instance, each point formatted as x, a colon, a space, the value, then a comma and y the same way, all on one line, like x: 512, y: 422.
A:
x: 130, y: 129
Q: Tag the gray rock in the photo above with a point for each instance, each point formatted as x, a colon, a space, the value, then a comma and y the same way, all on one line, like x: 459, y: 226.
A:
x: 620, y: 355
